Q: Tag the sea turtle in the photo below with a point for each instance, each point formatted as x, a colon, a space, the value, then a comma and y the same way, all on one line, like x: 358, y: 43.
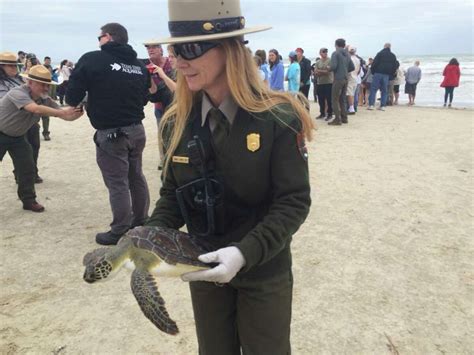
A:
x: 150, y: 251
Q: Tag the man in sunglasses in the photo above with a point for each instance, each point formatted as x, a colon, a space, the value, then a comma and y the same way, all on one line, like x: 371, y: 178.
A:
x: 118, y: 86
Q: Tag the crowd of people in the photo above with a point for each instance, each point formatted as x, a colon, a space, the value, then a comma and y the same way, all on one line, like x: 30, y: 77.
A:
x: 344, y: 81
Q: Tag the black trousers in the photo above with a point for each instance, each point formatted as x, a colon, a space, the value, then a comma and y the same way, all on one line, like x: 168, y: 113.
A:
x: 324, y: 96
x: 448, y: 91
x: 22, y: 156
x: 33, y: 137
x: 305, y: 90
x: 252, y: 315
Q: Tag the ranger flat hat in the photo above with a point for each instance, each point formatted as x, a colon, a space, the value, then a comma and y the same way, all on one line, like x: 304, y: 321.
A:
x: 8, y: 58
x: 204, y: 20
x: 40, y: 74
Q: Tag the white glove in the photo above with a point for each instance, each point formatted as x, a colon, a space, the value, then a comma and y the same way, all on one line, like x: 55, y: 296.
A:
x: 230, y: 261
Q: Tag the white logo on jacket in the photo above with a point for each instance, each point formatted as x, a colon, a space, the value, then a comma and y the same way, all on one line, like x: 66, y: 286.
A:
x: 127, y: 68
x: 115, y: 66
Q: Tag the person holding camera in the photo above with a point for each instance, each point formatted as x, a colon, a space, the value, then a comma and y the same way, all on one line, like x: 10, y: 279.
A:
x: 20, y: 109
x: 118, y: 87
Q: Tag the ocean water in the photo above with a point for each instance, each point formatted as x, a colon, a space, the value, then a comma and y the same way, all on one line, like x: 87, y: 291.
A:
x: 428, y: 92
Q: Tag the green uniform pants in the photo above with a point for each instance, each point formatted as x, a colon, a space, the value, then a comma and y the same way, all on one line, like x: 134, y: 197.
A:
x: 22, y: 156
x: 252, y: 315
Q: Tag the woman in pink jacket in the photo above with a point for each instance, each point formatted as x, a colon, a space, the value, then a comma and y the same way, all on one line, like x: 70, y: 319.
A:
x: 451, y: 75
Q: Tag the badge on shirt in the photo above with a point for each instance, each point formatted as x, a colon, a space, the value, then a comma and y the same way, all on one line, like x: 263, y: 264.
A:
x: 181, y: 160
x: 302, y: 146
x: 253, y: 142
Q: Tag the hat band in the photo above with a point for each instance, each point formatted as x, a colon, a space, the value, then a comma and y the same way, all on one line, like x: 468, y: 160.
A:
x: 6, y: 61
x: 43, y: 80
x: 196, y: 28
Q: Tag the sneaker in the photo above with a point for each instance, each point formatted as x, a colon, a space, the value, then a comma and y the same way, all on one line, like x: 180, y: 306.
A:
x: 371, y: 107
x: 107, y: 238
x: 33, y: 206
x: 382, y: 108
x: 449, y: 105
x: 320, y: 116
x: 335, y: 123
x: 329, y: 118
x: 46, y: 136
x: 444, y: 105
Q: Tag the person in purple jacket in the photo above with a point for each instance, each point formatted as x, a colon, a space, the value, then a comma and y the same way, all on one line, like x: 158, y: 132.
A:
x: 277, y: 70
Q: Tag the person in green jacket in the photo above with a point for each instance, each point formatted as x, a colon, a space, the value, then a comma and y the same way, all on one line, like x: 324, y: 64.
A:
x: 236, y: 173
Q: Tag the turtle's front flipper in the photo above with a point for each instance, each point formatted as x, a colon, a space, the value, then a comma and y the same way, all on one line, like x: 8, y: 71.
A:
x: 145, y: 289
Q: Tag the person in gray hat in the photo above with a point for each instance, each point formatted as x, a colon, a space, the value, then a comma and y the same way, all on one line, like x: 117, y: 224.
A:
x: 236, y: 174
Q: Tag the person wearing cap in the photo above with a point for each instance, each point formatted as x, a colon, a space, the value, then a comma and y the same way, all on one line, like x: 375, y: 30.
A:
x: 20, y: 109
x: 325, y: 80
x: 236, y: 174
x: 341, y: 66
x: 118, y: 87
x: 293, y: 74
x: 305, y: 72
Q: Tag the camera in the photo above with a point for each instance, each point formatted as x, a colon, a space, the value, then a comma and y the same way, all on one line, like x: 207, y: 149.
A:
x: 151, y: 68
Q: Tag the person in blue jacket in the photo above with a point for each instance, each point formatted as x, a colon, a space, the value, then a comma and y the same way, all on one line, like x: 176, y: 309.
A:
x: 277, y: 70
x: 293, y: 74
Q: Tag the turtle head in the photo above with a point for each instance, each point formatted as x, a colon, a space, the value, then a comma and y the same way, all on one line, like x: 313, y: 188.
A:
x: 99, y: 265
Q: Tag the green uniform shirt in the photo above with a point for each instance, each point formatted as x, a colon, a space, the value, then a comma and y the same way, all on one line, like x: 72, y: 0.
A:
x: 266, y: 188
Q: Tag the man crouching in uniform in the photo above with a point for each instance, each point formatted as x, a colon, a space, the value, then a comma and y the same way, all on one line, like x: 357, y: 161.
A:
x: 20, y: 109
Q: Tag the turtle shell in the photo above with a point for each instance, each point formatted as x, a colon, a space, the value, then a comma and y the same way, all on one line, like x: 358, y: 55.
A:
x: 171, y: 245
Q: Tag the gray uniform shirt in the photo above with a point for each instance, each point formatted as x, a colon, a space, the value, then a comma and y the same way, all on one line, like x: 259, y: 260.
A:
x: 15, y: 121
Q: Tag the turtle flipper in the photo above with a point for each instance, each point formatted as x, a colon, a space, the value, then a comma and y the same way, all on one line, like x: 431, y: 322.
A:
x: 145, y: 289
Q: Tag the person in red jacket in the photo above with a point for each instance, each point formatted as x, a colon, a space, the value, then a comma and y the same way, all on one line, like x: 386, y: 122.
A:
x: 451, y: 75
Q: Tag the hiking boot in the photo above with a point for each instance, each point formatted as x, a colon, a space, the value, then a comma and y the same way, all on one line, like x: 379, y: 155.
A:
x: 107, y: 238
x: 33, y: 206
x: 335, y: 122
x: 46, y: 136
x: 344, y: 120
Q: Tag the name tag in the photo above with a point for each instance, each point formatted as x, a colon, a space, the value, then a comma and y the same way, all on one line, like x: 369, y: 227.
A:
x: 181, y: 160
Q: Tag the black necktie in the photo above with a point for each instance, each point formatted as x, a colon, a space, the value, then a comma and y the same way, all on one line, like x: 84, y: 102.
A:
x: 222, y: 127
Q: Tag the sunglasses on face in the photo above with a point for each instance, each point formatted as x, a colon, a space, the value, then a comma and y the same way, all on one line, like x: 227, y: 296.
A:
x: 100, y: 37
x: 150, y: 46
x: 193, y: 50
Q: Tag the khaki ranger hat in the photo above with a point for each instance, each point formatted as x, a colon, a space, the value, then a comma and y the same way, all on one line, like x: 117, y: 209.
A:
x: 8, y: 58
x: 40, y: 74
x: 204, y: 20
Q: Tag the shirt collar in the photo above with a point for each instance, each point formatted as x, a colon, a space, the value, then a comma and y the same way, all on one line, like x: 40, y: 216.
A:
x: 228, y: 107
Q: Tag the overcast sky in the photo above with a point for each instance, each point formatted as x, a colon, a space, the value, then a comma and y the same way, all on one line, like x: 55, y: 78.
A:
x: 67, y: 29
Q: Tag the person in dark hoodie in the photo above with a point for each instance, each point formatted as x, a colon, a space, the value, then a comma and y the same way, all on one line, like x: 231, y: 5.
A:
x: 118, y: 86
x: 383, y: 68
x: 305, y: 69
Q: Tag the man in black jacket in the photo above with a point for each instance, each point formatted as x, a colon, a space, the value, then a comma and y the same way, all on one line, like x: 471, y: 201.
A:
x: 385, y: 65
x: 305, y: 76
x: 117, y: 84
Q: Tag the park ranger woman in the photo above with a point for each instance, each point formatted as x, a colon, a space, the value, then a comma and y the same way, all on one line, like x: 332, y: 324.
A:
x: 236, y: 174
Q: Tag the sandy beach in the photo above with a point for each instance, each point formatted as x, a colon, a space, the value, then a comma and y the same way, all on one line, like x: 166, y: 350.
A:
x: 383, y: 264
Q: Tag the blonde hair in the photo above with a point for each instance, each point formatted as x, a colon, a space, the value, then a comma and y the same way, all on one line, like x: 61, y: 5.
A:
x: 247, y: 89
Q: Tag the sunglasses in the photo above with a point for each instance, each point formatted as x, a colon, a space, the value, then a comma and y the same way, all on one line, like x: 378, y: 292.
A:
x: 193, y: 50
x: 152, y: 46
x: 100, y: 37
